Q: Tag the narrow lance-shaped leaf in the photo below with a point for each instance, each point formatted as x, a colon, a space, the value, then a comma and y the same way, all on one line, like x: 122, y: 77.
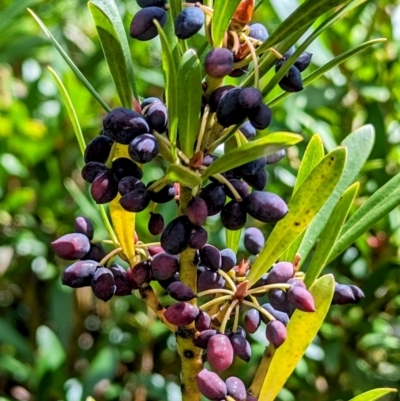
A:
x: 373, y: 395
x: 183, y: 175
x: 110, y: 9
x: 170, y: 69
x: 123, y: 221
x: 327, y: 67
x: 250, y: 151
x: 312, y: 156
x: 233, y: 239
x: 303, y: 208
x: 359, y: 145
x: 189, y: 100
x: 113, y: 53
x: 303, y: 46
x: 301, y: 330
x: 73, y: 67
x: 330, y: 234
x: 378, y: 205
x: 223, y: 12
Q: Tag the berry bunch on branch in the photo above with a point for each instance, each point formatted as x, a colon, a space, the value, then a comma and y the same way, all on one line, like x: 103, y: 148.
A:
x: 215, y: 140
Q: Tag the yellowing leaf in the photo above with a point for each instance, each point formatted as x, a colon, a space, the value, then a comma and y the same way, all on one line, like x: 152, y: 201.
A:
x: 302, y: 329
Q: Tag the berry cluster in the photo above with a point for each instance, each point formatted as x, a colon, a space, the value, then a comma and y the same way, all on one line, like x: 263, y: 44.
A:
x: 212, y: 304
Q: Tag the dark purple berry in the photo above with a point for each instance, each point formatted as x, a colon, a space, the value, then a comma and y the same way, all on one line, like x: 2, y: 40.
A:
x: 291, y: 81
x: 71, y: 246
x: 157, y: 117
x: 218, y: 62
x: 198, y: 237
x: 164, y: 195
x: 343, y: 295
x: 149, y: 101
x: 151, y: 3
x: 144, y: 148
x: 276, y: 333
x: 164, y: 266
x: 217, y: 95
x: 188, y: 22
x: 181, y: 314
x: 202, y: 321
x: 103, y: 284
x: 241, y: 347
x: 104, y: 187
x: 91, y: 170
x: 303, y: 61
x: 250, y: 98
x: 240, y: 186
x: 122, y: 125
x: 79, y: 274
x: 279, y: 301
x: 214, y: 196
x: 202, y: 339
x: 235, y: 388
x: 257, y: 181
x: 260, y: 117
x: 128, y: 184
x: 210, y: 257
x: 233, y: 215
x: 228, y: 259
x: 180, y: 291
x: 358, y: 293
x: 209, y: 280
x: 275, y: 157
x: 253, y: 240
x: 98, y: 149
x: 252, y: 320
x: 175, y: 237
x: 248, y: 130
x: 280, y: 273
x: 156, y: 224
x: 252, y: 167
x: 211, y: 385
x: 83, y: 225
x: 136, y: 200
x: 142, y: 26
x: 301, y: 299
x: 258, y: 31
x: 220, y: 352
x: 265, y: 206
x: 96, y: 252
x: 278, y: 315
x: 229, y: 110
x: 122, y: 283
x: 140, y: 273
x: 197, y: 211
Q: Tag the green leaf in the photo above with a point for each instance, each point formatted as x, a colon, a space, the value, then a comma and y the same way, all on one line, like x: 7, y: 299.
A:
x: 378, y: 205
x: 302, y: 328
x: 303, y: 207
x: 8, y: 15
x: 170, y: 69
x: 373, y: 395
x: 73, y: 67
x: 359, y: 145
x: 176, y: 8
x: 314, y: 35
x: 327, y: 67
x: 70, y: 109
x: 305, y: 14
x: 113, y: 51
x: 233, y: 239
x: 50, y: 354
x: 123, y: 221
x: 312, y: 156
x: 9, y: 335
x: 330, y: 234
x: 189, y: 99
x: 223, y: 12
x: 253, y: 150
x: 184, y: 175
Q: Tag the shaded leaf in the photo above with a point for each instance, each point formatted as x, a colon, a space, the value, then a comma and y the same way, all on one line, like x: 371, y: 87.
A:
x: 359, y: 145
x: 183, y: 175
x: 189, y: 100
x: 378, y: 205
x: 330, y: 234
x: 288, y: 355
x: 303, y: 207
x: 71, y: 64
x: 264, y: 146
x: 9, y: 335
x: 113, y: 52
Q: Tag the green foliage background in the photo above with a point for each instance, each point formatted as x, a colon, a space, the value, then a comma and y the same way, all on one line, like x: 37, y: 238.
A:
x: 58, y: 344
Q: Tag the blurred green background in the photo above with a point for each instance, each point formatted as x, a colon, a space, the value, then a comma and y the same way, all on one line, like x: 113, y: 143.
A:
x: 59, y: 344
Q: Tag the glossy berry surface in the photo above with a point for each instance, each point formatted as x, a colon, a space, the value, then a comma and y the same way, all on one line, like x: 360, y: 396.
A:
x: 142, y: 26
x: 219, y: 352
x: 144, y: 148
x: 188, y: 22
x: 218, y: 62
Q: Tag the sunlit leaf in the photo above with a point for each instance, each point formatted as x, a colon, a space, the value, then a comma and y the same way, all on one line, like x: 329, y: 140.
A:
x: 373, y: 395
x: 233, y: 239
x: 183, y: 175
x: 223, y: 12
x: 302, y: 328
x: 303, y: 207
x: 264, y: 146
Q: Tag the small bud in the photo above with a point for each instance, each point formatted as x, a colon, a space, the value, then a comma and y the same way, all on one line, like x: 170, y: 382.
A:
x: 301, y: 299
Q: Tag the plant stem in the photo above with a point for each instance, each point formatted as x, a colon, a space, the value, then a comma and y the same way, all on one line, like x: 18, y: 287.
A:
x: 214, y: 291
